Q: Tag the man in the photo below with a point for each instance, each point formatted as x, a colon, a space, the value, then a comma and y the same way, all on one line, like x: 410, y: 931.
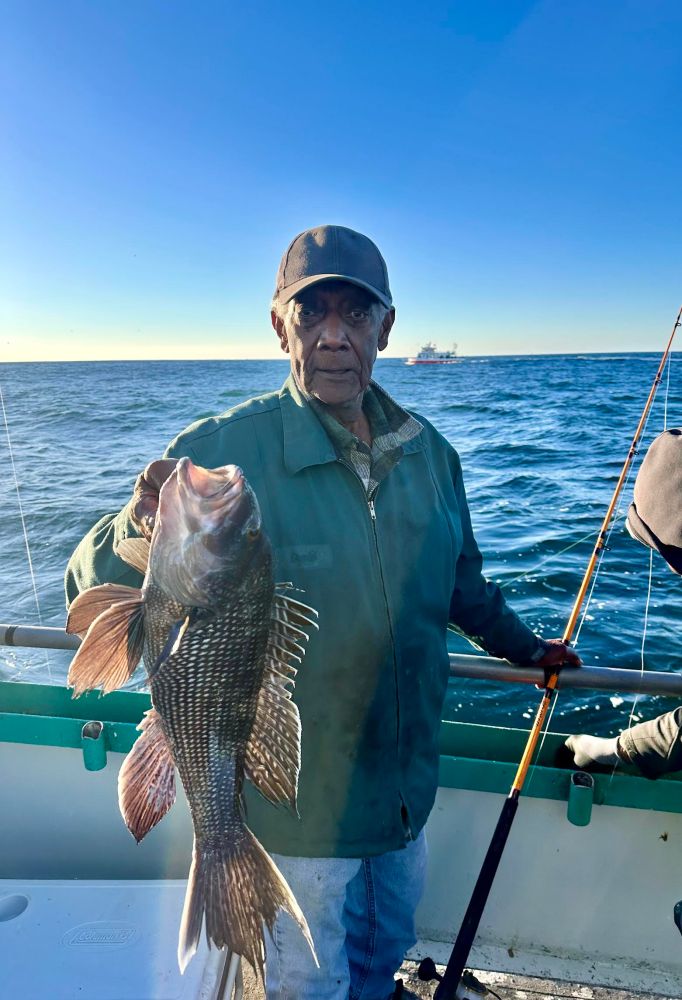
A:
x: 365, y: 508
x: 655, y: 520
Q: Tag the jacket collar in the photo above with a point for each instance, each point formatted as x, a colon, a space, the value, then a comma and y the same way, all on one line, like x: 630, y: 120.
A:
x: 306, y: 442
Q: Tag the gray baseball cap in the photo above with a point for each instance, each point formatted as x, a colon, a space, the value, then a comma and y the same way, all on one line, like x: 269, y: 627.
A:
x: 655, y: 516
x: 330, y: 253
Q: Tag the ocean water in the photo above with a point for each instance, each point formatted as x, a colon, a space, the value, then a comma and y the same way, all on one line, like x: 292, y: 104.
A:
x: 542, y: 441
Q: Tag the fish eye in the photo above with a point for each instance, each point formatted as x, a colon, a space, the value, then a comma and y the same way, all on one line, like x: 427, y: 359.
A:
x: 253, y: 532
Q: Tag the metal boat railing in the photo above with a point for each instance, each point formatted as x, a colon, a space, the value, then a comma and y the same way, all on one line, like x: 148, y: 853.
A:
x: 482, y: 668
x: 488, y: 668
x: 37, y: 637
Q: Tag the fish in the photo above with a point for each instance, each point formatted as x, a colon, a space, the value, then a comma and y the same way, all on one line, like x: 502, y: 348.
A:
x: 220, y: 643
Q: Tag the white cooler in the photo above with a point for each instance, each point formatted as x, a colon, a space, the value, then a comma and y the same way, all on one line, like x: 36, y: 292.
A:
x: 109, y: 940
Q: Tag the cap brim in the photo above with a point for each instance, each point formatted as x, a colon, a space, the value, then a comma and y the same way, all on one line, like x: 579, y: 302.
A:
x: 286, y: 294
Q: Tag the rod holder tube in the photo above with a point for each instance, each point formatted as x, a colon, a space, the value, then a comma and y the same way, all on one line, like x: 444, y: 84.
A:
x: 580, y: 798
x: 93, y: 744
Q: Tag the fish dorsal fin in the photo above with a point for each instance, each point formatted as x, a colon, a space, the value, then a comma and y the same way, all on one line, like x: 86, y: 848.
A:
x: 292, y: 610
x: 273, y: 753
x: 134, y: 551
x: 91, y: 603
x: 146, y: 781
x: 112, y: 648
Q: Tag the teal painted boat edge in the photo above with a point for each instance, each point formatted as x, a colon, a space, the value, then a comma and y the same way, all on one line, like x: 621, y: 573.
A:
x: 49, y: 715
x: 473, y: 756
x: 56, y: 700
x: 56, y: 731
x: 626, y: 790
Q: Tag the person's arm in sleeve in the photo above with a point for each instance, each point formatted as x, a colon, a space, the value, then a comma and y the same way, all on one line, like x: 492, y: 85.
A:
x: 95, y: 561
x: 479, y: 609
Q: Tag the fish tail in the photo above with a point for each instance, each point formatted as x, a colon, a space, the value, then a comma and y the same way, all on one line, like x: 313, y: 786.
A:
x: 237, y: 889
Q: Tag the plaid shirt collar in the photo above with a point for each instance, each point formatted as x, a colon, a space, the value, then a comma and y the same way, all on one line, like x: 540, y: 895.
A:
x: 391, y: 426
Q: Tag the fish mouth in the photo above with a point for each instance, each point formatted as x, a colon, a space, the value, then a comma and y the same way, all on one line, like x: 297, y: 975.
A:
x: 206, y: 520
x: 220, y: 487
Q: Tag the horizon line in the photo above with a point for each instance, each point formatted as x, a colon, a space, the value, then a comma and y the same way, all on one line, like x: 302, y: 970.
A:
x: 383, y: 357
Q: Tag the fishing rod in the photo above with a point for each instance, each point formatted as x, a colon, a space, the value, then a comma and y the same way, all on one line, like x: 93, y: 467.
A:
x: 452, y: 976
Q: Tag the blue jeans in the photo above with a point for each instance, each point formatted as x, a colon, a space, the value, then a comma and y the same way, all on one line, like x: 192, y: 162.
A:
x: 361, y: 915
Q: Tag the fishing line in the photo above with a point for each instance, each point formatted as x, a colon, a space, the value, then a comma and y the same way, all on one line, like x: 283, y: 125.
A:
x: 546, y: 727
x: 644, y: 631
x: 612, y: 525
x: 637, y: 441
x: 538, y: 752
x: 641, y: 669
x: 651, y: 573
x: 548, y: 720
x: 516, y: 579
x: 23, y: 523
x: 553, y: 555
x: 616, y: 517
x: 555, y: 700
x: 597, y: 570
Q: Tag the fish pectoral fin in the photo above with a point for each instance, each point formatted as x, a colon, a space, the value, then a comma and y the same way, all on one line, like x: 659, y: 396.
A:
x: 91, y: 603
x: 111, y: 650
x: 171, y: 646
x: 135, y: 552
x: 146, y: 781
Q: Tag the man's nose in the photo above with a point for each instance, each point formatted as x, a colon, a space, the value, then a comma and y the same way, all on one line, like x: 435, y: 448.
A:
x: 332, y: 335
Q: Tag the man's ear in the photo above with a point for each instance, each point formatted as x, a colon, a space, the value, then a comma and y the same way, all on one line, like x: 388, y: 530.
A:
x: 386, y: 324
x: 278, y: 327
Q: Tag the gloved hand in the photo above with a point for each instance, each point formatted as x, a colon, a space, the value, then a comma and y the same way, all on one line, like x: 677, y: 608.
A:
x: 557, y: 655
x: 145, y: 501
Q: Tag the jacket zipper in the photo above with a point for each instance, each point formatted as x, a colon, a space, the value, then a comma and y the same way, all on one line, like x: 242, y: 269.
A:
x: 407, y: 829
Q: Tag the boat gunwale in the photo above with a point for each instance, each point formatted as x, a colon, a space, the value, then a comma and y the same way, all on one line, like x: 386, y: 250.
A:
x: 473, y: 756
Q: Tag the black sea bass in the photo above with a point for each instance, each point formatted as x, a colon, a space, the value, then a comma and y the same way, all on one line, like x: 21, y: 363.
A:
x: 219, y: 643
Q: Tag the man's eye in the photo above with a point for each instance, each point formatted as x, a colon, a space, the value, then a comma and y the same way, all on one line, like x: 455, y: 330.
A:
x: 358, y: 315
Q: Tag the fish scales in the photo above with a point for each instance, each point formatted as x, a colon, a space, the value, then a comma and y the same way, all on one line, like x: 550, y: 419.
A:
x: 207, y: 694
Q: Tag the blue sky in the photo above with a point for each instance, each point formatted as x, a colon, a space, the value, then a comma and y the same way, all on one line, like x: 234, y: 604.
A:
x: 518, y: 163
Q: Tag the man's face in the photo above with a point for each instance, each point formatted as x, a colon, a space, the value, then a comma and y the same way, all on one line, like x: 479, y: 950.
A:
x: 333, y: 332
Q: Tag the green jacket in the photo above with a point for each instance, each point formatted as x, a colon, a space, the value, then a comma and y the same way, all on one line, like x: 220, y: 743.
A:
x: 385, y: 578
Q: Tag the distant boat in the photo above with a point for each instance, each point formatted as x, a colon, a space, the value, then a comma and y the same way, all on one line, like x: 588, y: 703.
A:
x: 430, y: 355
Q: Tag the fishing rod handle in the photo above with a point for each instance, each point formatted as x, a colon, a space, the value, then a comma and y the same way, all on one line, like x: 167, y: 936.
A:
x: 447, y: 988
